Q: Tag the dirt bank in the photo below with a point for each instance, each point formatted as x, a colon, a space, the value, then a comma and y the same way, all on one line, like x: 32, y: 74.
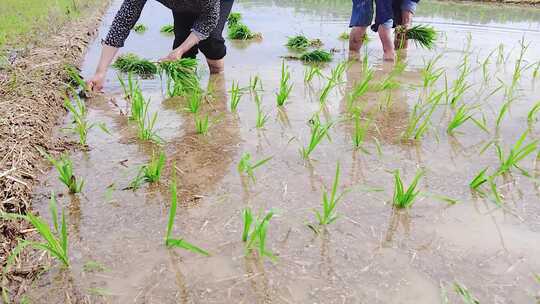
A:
x: 32, y: 87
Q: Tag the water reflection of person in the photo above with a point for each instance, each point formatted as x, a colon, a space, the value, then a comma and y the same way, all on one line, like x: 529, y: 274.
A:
x: 198, y: 25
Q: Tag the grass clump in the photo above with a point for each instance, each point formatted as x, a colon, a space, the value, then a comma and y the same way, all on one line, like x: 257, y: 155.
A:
x: 254, y: 233
x: 404, y: 198
x: 169, y: 240
x: 167, y: 29
x: 140, y: 28
x: 301, y: 42
x: 318, y: 132
x: 316, y: 56
x: 55, y: 236
x: 284, y: 87
x: 151, y: 172
x: 181, y: 75
x: 241, y: 31
x: 516, y: 154
x: 64, y: 166
x: 132, y: 63
x: 246, y: 166
x: 202, y: 124
x: 423, y: 35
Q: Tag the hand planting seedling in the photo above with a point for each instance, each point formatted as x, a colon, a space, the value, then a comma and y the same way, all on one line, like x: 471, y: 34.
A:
x: 316, y: 56
x: 64, y: 166
x: 318, y: 132
x: 284, y: 87
x: 329, y: 214
x: 133, y: 63
x: 55, y: 237
x: 404, y: 199
x: 169, y: 240
x: 149, y: 173
x: 246, y: 166
x: 423, y: 35
x: 140, y: 28
x: 236, y: 94
x: 516, y: 154
x: 255, y: 232
x: 167, y: 29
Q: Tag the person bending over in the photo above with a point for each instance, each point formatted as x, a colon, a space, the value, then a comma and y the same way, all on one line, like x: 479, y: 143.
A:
x: 198, y: 25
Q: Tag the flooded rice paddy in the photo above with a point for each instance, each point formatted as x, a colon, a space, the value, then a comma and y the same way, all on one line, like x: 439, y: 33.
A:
x: 372, y: 253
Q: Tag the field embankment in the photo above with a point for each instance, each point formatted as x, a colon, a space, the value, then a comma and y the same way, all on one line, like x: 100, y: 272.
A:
x: 37, y: 39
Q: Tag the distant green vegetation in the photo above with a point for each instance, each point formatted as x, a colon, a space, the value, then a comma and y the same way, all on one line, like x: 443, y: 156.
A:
x: 22, y: 20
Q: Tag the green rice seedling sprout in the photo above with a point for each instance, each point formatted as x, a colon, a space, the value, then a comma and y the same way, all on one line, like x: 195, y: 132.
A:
x: 326, y: 90
x: 500, y: 54
x: 344, y: 36
x: 246, y: 166
x: 466, y: 296
x: 146, y: 124
x: 285, y: 87
x: 485, y: 66
x: 298, y: 42
x: 460, y: 85
x: 533, y: 113
x: 132, y: 63
x: 516, y: 154
x: 318, y: 132
x: 462, y: 115
x: 138, y: 104
x: 497, y: 198
x: 55, y: 236
x: 310, y: 72
x: 64, y: 166
x: 404, y: 198
x: 422, y: 35
x: 359, y: 89
x: 262, y: 118
x: 236, y: 95
x: 202, y: 124
x: 502, y: 113
x: 255, y: 83
x: 420, y: 118
x: 340, y: 69
x: 240, y: 31
x: 174, y: 242
x: 330, y: 202
x: 360, y: 130
x: 255, y: 231
x: 429, y: 73
x: 316, y: 56
x: 479, y: 180
x: 181, y: 75
x: 151, y: 172
x: 194, y: 102
x: 129, y: 87
x: 233, y: 19
x: 167, y: 29
x: 80, y: 124
x: 74, y: 78
x: 140, y: 28
x: 536, y: 71
x: 518, y: 68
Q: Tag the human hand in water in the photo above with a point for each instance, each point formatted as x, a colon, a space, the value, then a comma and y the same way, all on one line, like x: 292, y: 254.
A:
x: 95, y: 83
x: 174, y: 55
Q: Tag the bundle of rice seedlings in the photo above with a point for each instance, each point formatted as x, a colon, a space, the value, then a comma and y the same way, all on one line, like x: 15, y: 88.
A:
x: 316, y: 56
x: 301, y: 42
x: 233, y: 19
x: 182, y: 76
x: 423, y: 35
x: 240, y: 31
x: 167, y: 29
x: 132, y: 63
x: 140, y: 28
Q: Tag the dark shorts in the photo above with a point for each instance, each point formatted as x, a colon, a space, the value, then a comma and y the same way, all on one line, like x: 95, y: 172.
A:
x: 212, y: 47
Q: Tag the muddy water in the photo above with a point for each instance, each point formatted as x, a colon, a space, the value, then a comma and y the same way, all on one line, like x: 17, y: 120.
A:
x: 372, y: 253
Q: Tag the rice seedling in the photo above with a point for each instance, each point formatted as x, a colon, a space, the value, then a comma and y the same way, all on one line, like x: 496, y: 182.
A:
x: 202, y: 124
x: 262, y: 118
x: 462, y: 115
x: 359, y: 89
x: 516, y: 154
x: 422, y: 35
x: 236, y: 95
x: 518, y: 68
x: 460, y: 85
x: 64, y: 166
x: 80, y: 124
x: 285, y: 87
x: 255, y: 83
x: 330, y: 202
x: 316, y: 56
x: 361, y: 128
x: 233, y: 19
x: 429, y: 73
x: 318, y: 132
x: 181, y: 75
x: 129, y: 87
x: 151, y: 172
x: 140, y: 28
x: 132, y: 63
x: 298, y: 42
x: 340, y: 69
x: 533, y: 113
x: 174, y: 242
x: 479, y: 180
x: 75, y: 79
x: 404, y: 198
x: 536, y: 71
x: 146, y: 125
x: 167, y: 29
x: 420, y: 118
x: 502, y: 113
x: 466, y: 296
x: 310, y: 72
x: 55, y: 236
x: 194, y: 102
x: 485, y: 66
x: 255, y: 231
x: 500, y: 54
x: 327, y: 89
x: 246, y: 166
x: 240, y: 31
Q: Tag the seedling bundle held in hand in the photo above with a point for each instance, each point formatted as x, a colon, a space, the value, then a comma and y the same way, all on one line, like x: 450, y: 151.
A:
x: 133, y: 63
x: 423, y: 35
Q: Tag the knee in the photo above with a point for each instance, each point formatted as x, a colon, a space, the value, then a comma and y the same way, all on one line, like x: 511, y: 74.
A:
x: 216, y: 66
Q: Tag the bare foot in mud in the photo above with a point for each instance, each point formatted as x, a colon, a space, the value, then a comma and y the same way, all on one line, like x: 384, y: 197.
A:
x: 389, y: 56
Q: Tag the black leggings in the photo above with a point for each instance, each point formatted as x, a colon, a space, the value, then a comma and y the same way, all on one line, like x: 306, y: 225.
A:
x: 214, y: 46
